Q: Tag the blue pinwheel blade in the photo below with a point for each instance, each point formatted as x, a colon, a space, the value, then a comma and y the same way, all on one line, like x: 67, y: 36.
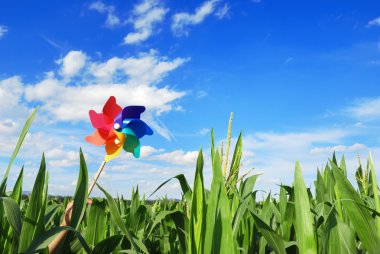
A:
x: 139, y: 128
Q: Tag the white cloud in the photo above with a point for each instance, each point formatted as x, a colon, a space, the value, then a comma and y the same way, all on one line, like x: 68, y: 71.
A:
x: 112, y: 20
x: 374, y: 22
x: 146, y: 151
x: 204, y: 131
x: 11, y: 105
x: 178, y: 157
x: 201, y: 94
x: 364, y: 109
x: 145, y: 17
x: 133, y: 80
x: 3, y: 30
x: 181, y: 21
x: 338, y: 148
x: 72, y: 63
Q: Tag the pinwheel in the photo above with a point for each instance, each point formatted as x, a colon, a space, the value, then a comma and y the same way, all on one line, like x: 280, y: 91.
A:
x: 117, y: 129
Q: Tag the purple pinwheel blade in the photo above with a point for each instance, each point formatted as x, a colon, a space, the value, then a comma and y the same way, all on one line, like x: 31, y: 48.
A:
x: 133, y: 112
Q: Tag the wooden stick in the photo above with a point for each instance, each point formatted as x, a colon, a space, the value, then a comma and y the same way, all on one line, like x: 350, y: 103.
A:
x: 96, y: 177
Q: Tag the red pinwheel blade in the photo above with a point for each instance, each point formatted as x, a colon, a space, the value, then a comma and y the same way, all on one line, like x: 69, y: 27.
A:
x: 111, y: 109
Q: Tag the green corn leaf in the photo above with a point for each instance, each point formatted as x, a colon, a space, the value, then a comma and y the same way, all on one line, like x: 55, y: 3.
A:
x: 235, y: 162
x: 80, y: 197
x: 184, y: 186
x: 119, y: 221
x: 338, y: 238
x: 107, y: 245
x: 96, y: 222
x: 17, y: 189
x: 31, y: 226
x: 12, y: 213
x: 17, y: 149
x: 197, y: 211
x: 46, y: 238
x: 360, y: 217
x: 375, y: 192
x: 272, y: 238
x: 218, y: 235
x: 304, y: 224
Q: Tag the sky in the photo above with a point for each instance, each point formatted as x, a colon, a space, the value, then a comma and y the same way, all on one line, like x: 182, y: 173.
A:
x: 302, y: 79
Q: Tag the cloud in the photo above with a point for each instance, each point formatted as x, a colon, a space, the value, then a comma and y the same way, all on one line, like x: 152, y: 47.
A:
x: 366, y: 109
x: 134, y: 80
x: 3, y: 30
x: 203, y: 131
x: 11, y: 104
x: 178, y: 157
x: 223, y: 11
x: 338, y: 148
x: 112, y: 20
x: 146, y: 15
x: 72, y: 63
x: 374, y: 22
x: 181, y: 21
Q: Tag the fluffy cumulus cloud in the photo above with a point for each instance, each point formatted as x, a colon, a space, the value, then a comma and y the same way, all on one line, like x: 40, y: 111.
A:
x: 135, y: 80
x: 3, y: 30
x: 112, y: 19
x: 145, y: 16
x: 182, y: 20
x: 178, y: 157
x: 72, y: 63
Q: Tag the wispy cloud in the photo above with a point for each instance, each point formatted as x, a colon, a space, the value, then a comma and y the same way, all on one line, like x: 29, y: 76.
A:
x: 181, y: 21
x: 3, y: 30
x: 338, y: 148
x: 112, y: 19
x: 365, y: 109
x: 146, y: 15
x: 374, y: 22
x: 223, y: 11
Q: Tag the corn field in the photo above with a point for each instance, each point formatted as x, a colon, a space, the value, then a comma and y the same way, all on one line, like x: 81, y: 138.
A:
x: 223, y: 218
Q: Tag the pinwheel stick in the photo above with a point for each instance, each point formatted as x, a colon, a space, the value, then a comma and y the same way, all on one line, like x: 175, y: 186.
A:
x: 96, y: 177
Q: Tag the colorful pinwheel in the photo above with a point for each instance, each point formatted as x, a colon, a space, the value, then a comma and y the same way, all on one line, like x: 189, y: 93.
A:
x: 117, y: 129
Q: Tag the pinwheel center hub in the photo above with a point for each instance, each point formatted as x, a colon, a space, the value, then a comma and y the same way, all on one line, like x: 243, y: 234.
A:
x: 116, y: 126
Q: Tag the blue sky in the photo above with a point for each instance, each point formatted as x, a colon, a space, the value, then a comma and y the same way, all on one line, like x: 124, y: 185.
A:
x: 302, y: 80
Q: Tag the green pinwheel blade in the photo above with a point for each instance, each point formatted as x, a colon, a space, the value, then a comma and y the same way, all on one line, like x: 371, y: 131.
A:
x: 132, y: 145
